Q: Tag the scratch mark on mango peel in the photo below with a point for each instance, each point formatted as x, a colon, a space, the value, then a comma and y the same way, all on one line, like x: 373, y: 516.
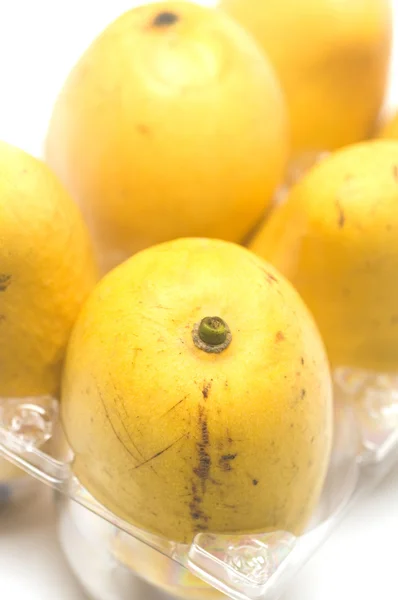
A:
x: 173, y: 407
x: 108, y: 417
x: 122, y: 420
x: 122, y: 423
x: 157, y: 454
x: 125, y: 429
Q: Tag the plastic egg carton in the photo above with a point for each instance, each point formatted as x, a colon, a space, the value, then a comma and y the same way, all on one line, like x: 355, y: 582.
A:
x: 106, y: 552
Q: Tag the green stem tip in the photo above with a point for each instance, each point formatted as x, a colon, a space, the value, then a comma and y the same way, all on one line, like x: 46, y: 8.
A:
x: 212, y: 335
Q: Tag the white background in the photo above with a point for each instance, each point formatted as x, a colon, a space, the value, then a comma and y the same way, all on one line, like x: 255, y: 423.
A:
x: 39, y: 41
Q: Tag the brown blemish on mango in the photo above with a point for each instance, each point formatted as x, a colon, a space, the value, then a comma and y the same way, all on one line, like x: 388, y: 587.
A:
x: 225, y: 461
x: 143, y: 129
x: 202, y: 471
x: 206, y: 390
x: 5, y: 281
x: 341, y: 215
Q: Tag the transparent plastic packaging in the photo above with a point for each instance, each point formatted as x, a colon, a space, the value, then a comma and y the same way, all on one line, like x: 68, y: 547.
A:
x: 15, y: 485
x: 106, y: 553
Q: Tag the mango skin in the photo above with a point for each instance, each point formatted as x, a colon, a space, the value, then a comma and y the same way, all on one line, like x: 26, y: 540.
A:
x: 47, y: 269
x: 178, y: 441
x: 336, y: 239
x: 168, y: 131
x: 332, y: 59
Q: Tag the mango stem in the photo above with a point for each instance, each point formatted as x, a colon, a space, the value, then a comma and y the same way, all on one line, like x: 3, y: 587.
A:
x: 212, y: 335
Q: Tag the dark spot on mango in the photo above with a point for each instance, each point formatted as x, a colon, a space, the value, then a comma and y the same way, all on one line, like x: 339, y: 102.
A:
x: 165, y: 19
x: 214, y: 481
x: 254, y: 481
x: 202, y: 470
x: 341, y: 215
x: 302, y: 361
x: 279, y: 336
x: 143, y: 129
x: 197, y: 514
x: 225, y: 462
x: 206, y: 390
x: 5, y: 281
x: 303, y: 393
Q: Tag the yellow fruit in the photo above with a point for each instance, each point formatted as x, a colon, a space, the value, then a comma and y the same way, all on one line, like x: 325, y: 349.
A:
x: 336, y: 239
x: 389, y: 129
x: 332, y: 59
x: 46, y: 271
x: 171, y: 124
x: 177, y: 439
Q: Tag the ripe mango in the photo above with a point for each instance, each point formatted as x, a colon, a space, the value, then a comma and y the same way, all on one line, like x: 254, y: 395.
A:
x: 336, y: 239
x: 197, y: 395
x: 171, y: 124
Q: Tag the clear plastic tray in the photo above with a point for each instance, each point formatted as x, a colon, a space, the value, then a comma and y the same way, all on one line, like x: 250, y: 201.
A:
x: 15, y: 485
x: 240, y: 566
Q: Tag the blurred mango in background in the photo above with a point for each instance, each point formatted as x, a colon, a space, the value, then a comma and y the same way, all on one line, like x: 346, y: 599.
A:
x: 332, y: 58
x: 47, y: 269
x: 171, y: 124
x: 335, y: 239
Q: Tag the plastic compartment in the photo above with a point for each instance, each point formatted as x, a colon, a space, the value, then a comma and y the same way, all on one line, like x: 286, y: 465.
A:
x: 106, y: 552
x: 15, y: 484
